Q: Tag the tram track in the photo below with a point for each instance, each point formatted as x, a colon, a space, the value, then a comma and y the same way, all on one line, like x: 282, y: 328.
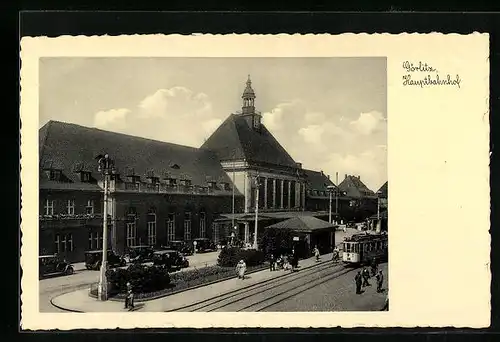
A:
x: 275, y: 289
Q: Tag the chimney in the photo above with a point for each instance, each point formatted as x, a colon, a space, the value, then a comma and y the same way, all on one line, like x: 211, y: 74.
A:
x: 359, y: 177
x: 299, y: 165
x: 328, y: 177
x: 322, y: 173
x: 346, y: 176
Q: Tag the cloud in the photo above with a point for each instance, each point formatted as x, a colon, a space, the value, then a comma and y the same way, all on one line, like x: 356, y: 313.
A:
x: 178, y: 115
x: 353, y: 144
x: 111, y: 119
x: 369, y: 122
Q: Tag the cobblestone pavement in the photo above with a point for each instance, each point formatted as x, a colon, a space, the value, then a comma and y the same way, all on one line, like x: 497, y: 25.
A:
x: 338, y: 294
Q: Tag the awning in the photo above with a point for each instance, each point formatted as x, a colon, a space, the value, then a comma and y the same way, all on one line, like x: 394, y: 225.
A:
x: 304, y: 224
x: 283, y: 215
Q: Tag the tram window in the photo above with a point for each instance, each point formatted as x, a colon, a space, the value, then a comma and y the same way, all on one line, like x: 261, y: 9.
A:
x: 347, y: 247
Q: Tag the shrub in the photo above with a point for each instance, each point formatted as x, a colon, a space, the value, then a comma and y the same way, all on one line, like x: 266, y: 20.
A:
x: 276, y: 241
x: 229, y: 257
x: 144, y: 279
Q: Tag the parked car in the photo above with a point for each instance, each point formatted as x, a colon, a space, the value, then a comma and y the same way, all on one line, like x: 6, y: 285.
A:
x: 204, y: 245
x: 181, y: 246
x: 53, y: 265
x: 140, y: 254
x: 171, y: 259
x: 93, y: 260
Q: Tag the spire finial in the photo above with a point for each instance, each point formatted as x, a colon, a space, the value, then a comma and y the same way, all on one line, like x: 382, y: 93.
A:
x: 249, y: 81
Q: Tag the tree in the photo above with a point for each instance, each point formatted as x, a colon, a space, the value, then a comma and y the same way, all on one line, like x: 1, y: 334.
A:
x: 276, y: 241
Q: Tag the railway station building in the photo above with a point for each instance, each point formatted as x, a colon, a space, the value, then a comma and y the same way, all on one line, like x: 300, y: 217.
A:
x: 162, y: 191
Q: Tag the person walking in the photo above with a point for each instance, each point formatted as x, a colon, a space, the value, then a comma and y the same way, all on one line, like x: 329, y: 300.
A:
x: 241, y: 267
x: 380, y: 281
x: 357, y: 280
x: 129, y: 299
x: 271, y: 263
x: 316, y: 253
x: 366, y: 276
x: 336, y: 254
x: 374, y: 266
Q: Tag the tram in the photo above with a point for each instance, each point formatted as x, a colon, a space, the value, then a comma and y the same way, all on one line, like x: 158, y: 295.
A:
x: 363, y: 248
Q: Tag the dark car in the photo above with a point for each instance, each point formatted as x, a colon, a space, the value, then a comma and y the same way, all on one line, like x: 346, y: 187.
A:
x: 181, y: 246
x: 140, y: 254
x: 93, y: 260
x: 53, y: 265
x: 171, y: 259
x: 204, y: 245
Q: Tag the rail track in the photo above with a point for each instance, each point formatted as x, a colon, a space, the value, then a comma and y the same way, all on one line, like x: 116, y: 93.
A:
x: 263, y: 295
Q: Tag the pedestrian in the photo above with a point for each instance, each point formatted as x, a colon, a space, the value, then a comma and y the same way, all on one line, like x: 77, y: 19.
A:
x: 241, y: 267
x: 295, y: 259
x: 357, y: 280
x: 316, y: 253
x: 374, y: 266
x: 129, y: 299
x: 336, y: 254
x: 380, y: 281
x: 366, y: 276
x: 271, y: 262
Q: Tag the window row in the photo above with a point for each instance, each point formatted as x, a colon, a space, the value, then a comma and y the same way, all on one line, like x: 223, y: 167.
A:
x: 48, y: 207
x: 131, y: 228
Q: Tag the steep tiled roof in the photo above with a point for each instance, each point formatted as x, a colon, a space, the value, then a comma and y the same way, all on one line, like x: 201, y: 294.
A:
x: 383, y: 190
x: 68, y: 147
x: 236, y: 139
x: 354, y: 187
x: 316, y: 180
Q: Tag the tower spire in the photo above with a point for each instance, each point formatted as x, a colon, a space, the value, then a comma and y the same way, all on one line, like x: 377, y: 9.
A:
x: 248, y: 98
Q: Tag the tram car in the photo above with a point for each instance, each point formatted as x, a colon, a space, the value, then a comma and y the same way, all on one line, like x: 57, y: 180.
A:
x: 363, y: 248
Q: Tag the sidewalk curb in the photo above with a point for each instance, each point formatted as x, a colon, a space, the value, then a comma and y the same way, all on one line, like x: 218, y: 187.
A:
x: 183, y: 290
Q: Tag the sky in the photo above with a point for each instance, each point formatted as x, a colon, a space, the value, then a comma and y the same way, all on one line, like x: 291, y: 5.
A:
x: 330, y: 114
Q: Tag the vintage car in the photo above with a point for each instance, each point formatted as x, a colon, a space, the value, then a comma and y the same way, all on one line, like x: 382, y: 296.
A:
x: 181, y: 246
x: 171, y: 259
x: 204, y: 245
x: 140, y: 254
x: 53, y: 265
x: 93, y: 260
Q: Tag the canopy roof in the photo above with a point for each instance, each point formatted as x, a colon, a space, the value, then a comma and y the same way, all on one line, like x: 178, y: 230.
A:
x: 304, y: 224
x: 383, y: 216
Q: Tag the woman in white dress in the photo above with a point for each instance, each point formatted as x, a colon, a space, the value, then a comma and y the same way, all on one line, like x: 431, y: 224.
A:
x: 241, y: 267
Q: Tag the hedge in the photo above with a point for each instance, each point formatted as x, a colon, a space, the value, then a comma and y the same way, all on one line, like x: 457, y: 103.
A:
x: 230, y: 256
x: 144, y: 279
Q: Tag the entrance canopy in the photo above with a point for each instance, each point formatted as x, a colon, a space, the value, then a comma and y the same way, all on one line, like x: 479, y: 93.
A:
x: 264, y: 216
x: 303, y: 224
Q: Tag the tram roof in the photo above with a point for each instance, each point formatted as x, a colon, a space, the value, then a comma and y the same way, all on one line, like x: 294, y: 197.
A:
x: 364, y: 237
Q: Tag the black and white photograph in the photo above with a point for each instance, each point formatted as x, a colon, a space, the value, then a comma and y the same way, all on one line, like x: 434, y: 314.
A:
x: 213, y: 184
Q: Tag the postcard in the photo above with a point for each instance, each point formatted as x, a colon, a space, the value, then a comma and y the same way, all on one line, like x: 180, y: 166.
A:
x: 207, y: 181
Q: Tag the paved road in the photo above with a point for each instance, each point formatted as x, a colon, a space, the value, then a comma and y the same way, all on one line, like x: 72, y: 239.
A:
x: 337, y: 294
x: 52, y: 287
x: 323, y: 288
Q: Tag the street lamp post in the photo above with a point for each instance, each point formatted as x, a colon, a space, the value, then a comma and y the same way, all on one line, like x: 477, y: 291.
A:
x: 257, y: 185
x: 330, y: 191
x: 378, y: 228
x: 106, y: 168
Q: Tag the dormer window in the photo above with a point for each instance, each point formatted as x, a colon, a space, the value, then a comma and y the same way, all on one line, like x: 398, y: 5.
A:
x: 154, y: 180
x: 134, y: 179
x: 85, y: 176
x: 212, y: 184
x: 256, y: 122
x: 225, y: 186
x: 185, y: 182
x: 54, y: 175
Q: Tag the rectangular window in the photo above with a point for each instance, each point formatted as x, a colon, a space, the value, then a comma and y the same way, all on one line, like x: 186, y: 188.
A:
x: 170, y: 227
x: 90, y: 247
x: 71, y: 207
x: 202, y: 225
x: 89, y: 209
x: 85, y: 176
x: 152, y: 230
x: 49, y: 207
x: 131, y: 234
x: 215, y: 232
x: 55, y: 175
x: 187, y: 226
x: 63, y: 243
x: 69, y: 240
x: 57, y: 246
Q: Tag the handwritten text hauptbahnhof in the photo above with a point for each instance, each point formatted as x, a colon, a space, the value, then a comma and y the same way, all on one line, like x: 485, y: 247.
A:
x: 414, y: 78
